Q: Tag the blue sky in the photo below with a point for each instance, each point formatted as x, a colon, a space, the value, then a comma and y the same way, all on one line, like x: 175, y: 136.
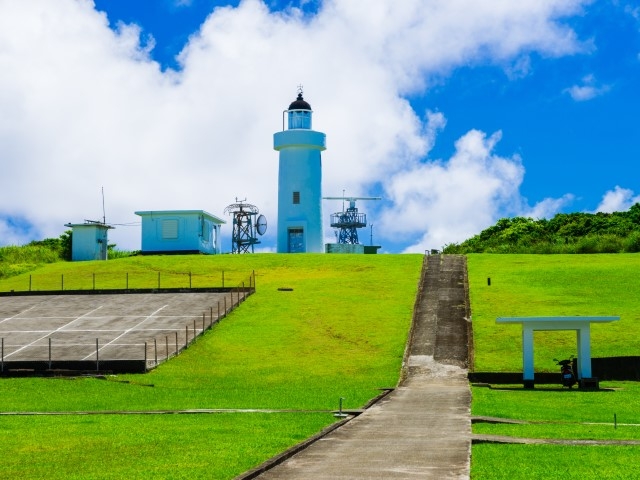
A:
x: 456, y: 115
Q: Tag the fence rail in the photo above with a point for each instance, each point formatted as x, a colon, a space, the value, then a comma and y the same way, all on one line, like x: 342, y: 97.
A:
x: 120, y: 281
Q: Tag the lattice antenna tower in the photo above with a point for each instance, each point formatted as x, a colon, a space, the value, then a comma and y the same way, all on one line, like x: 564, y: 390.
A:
x: 347, y: 222
x: 246, y: 224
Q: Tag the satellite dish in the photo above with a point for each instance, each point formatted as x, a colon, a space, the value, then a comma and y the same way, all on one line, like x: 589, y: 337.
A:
x: 261, y: 225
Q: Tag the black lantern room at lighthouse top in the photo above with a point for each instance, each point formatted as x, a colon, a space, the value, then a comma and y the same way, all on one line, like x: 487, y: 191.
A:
x: 299, y: 114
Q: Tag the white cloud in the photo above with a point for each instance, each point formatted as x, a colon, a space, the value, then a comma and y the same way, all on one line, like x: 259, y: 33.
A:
x: 588, y: 90
x: 439, y: 202
x: 548, y: 207
x: 617, y: 200
x: 633, y: 11
x: 84, y: 107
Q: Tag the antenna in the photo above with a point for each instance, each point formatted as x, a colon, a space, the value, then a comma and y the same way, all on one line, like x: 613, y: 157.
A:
x: 104, y: 216
x: 348, y: 222
x: 245, y: 226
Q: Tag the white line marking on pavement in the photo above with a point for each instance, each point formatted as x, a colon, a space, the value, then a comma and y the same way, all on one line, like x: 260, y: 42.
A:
x: 56, y: 330
x: 125, y: 332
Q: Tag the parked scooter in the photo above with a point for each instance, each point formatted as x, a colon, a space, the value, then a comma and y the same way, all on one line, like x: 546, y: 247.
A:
x: 567, y: 371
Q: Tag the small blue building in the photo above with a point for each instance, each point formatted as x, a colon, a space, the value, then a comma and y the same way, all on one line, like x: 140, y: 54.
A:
x: 89, y: 240
x: 180, y: 231
x: 299, y: 182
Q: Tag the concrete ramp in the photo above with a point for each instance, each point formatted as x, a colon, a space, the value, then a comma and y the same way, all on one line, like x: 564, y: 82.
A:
x: 423, y: 428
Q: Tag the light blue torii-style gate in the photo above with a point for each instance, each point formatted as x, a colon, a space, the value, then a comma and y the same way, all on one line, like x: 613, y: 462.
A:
x: 582, y: 326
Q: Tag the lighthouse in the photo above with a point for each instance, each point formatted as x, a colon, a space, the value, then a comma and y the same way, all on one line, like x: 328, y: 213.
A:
x: 299, y: 181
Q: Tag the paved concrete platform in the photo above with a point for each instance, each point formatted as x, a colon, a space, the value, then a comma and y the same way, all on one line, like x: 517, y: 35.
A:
x: 81, y: 328
x: 423, y: 428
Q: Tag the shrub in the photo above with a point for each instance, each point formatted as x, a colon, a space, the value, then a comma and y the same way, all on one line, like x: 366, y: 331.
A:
x: 632, y: 243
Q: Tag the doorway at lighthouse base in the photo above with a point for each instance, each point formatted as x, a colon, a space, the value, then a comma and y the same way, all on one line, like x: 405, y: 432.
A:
x: 295, y: 240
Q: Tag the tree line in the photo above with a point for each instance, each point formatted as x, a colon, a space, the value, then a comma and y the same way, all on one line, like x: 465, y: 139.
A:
x: 615, y: 232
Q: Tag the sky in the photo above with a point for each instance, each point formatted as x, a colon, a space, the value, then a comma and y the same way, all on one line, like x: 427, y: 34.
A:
x: 456, y: 113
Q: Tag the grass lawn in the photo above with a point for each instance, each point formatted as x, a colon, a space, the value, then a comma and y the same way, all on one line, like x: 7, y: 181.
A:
x: 555, y: 462
x: 340, y: 332
x: 202, y: 446
x: 550, y: 285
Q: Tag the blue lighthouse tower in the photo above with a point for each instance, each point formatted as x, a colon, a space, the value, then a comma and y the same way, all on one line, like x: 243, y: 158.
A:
x: 299, y: 181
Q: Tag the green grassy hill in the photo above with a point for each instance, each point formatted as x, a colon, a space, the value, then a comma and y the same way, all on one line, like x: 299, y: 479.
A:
x: 552, y: 285
x: 340, y: 332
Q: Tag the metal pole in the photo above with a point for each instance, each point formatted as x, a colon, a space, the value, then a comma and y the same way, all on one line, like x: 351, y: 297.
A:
x: 203, y: 323
x: 166, y: 341
x: 186, y: 336
x: 62, y: 282
x: 194, y: 329
x: 176, y: 342
x: 155, y: 350
x: 158, y: 280
x: 2, y: 357
x: 127, y: 280
x: 218, y: 311
x: 222, y: 278
x: 97, y: 357
x: 189, y: 279
x: 225, y: 306
x: 210, y: 316
x: 145, y: 356
x: 49, y: 353
x: 94, y: 281
x: 29, y: 282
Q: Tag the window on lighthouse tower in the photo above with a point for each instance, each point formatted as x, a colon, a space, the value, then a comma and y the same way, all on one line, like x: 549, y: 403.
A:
x: 296, y: 198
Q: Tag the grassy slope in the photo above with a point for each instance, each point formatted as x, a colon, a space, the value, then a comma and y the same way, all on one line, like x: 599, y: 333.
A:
x: 550, y: 285
x: 340, y: 333
x: 325, y: 358
x: 527, y: 285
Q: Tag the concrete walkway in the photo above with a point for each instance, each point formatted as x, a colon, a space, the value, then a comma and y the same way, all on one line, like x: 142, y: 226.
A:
x: 423, y: 428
